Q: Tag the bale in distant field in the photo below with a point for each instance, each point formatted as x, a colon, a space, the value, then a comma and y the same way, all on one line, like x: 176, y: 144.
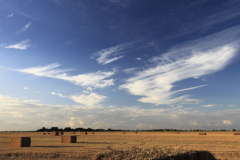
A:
x: 20, y: 142
x: 83, y: 133
x: 68, y: 139
x: 61, y: 133
x: 175, y: 132
x: 123, y: 132
x: 136, y: 132
x: 231, y: 130
x: 54, y: 133
x: 43, y: 133
x: 73, y: 132
x: 48, y: 133
x: 202, y: 133
x: 236, y: 133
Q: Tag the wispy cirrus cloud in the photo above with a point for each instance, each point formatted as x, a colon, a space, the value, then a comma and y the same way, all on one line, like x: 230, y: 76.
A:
x: 97, y: 79
x: 112, y: 54
x: 23, y: 45
x: 87, y: 99
x: 210, y: 105
x: 10, y: 15
x: 189, y: 60
x: 129, y: 70
x: 26, y: 27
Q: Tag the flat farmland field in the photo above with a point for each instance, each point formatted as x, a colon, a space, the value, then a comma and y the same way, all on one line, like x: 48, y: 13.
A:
x: 222, y: 145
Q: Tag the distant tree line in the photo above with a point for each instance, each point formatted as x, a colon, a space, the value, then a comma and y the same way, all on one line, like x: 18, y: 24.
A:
x: 69, y: 129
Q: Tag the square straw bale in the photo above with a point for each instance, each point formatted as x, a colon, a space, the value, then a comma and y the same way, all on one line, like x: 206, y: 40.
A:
x: 175, y: 132
x: 54, y: 133
x: 61, y: 133
x: 68, y: 139
x: 20, y: 142
x: 202, y: 133
x: 136, y: 132
x: 236, y: 133
x: 83, y: 133
x: 123, y: 132
x: 43, y: 133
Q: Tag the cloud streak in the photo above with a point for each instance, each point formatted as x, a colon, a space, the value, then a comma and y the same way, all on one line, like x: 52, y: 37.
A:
x: 88, y: 99
x: 23, y: 45
x: 189, y: 60
x: 26, y: 27
x: 112, y: 54
x: 96, y: 79
x: 10, y: 15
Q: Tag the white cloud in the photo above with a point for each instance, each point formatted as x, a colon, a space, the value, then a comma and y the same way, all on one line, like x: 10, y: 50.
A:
x: 23, y: 45
x: 25, y: 88
x: 60, y: 95
x: 26, y: 27
x: 231, y: 105
x: 53, y: 93
x: 138, y: 59
x: 112, y: 54
x: 189, y: 60
x: 88, y: 100
x: 95, y: 80
x: 129, y: 70
x: 210, y: 105
x: 10, y: 15
x: 227, y: 122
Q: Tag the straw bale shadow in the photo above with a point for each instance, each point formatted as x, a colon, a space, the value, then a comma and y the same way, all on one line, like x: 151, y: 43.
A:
x: 55, y: 146
x: 99, y: 142
x: 197, y: 155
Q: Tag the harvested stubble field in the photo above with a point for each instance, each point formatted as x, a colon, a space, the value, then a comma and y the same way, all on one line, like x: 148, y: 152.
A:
x: 115, y: 145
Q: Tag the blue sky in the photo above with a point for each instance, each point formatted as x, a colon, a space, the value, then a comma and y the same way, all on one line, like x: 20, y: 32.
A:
x: 121, y: 64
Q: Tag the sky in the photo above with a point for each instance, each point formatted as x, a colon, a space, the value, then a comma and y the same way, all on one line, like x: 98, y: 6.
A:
x: 119, y: 64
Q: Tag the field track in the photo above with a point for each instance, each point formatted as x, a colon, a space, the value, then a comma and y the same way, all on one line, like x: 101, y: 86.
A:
x: 223, y: 145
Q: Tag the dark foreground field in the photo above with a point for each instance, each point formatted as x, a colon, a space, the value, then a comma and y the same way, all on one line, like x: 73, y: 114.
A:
x: 115, y: 145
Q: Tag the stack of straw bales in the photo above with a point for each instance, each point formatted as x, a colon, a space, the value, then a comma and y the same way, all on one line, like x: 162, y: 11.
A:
x: 20, y: 142
x: 68, y: 139
x: 202, y: 133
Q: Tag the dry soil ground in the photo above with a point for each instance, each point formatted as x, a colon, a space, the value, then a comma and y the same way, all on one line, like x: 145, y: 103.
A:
x: 223, y: 145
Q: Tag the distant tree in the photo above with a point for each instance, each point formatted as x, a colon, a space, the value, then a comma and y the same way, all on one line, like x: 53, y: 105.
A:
x: 109, y: 129
x: 67, y: 129
x: 54, y: 129
x: 234, y: 129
